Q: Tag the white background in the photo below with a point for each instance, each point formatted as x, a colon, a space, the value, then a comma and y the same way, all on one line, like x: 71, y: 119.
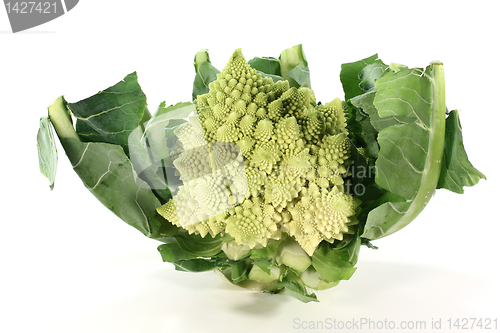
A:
x: 69, y: 265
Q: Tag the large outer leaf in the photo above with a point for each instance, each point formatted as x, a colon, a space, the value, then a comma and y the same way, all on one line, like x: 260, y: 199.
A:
x: 112, y: 114
x: 107, y: 172
x: 47, y: 152
x: 456, y: 171
x: 350, y: 76
x: 404, y: 148
x: 409, y: 161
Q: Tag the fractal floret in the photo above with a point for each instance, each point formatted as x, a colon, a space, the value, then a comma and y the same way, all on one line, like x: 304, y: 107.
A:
x: 256, y: 179
x: 275, y: 159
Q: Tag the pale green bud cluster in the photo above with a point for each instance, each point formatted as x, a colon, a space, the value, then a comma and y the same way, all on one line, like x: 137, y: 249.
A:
x: 284, y: 167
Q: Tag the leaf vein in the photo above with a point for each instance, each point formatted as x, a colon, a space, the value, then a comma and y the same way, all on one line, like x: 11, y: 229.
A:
x: 81, y: 157
x: 105, y: 111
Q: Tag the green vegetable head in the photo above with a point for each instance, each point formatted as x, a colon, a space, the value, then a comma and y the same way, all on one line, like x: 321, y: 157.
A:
x: 257, y: 180
x: 262, y: 159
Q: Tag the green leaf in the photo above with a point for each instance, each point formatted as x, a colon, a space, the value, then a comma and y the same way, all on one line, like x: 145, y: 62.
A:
x: 411, y: 117
x: 456, y: 170
x: 167, y: 229
x: 195, y: 265
x: 266, y: 65
x: 350, y: 76
x: 371, y: 122
x: 154, y: 137
x: 172, y: 252
x: 404, y: 149
x: 370, y: 73
x: 200, y: 57
x: 149, y: 150
x: 112, y: 114
x: 383, y: 218
x: 358, y: 79
x: 369, y: 133
x: 146, y: 169
x: 294, y: 66
x: 107, y: 172
x: 291, y: 285
x: 402, y: 159
x: 366, y: 103
x: 206, y: 73
x: 336, y: 263
x: 192, y: 253
x: 301, y: 75
x: 47, y: 152
x: 239, y: 270
x: 275, y: 78
x: 362, y: 185
x: 235, y: 271
x: 202, y: 247
x: 265, y: 252
x: 177, y: 111
x: 354, y: 126
x: 264, y: 264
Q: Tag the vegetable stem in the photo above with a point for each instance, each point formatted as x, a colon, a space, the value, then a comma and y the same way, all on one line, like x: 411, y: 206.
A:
x: 290, y: 58
x: 60, y: 118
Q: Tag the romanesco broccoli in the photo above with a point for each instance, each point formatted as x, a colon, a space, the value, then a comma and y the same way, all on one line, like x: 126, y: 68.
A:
x: 256, y: 179
x: 291, y: 151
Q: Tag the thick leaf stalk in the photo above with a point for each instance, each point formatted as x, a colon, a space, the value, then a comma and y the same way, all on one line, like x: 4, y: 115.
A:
x: 436, y: 146
x: 432, y: 168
